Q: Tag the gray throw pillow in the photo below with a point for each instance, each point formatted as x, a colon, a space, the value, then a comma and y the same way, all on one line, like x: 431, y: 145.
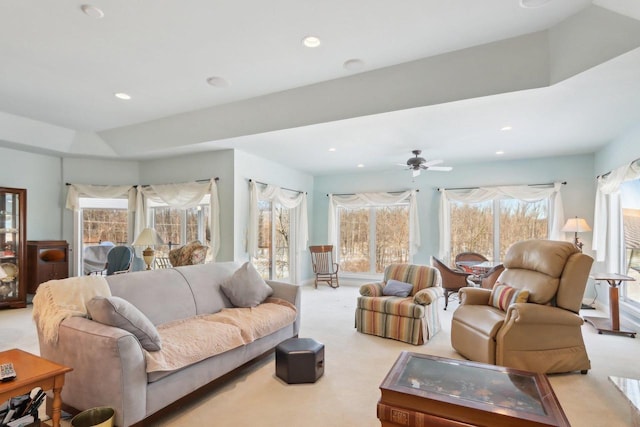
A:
x: 118, y: 312
x: 246, y: 288
x: 397, y: 288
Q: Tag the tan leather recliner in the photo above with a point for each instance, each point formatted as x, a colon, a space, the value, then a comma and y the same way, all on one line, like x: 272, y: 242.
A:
x: 542, y: 335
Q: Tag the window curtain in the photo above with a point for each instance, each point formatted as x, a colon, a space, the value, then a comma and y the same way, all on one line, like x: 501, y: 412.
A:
x: 608, y: 232
x: 181, y: 196
x: 99, y: 191
x: 298, y: 215
x: 482, y: 194
x: 361, y: 200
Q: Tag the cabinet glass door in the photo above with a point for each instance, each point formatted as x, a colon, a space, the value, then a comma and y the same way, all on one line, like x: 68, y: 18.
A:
x: 12, y: 247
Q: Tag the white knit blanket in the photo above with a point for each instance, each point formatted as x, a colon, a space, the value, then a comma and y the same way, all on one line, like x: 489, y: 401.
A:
x: 57, y: 300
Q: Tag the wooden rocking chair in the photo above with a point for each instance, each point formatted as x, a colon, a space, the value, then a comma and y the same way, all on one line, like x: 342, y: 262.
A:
x: 323, y: 266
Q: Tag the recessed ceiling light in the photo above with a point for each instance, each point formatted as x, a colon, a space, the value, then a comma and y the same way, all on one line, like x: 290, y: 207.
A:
x: 122, y: 95
x: 217, y: 82
x: 311, y: 41
x: 506, y: 128
x: 531, y: 4
x: 353, y: 64
x: 332, y: 149
x: 360, y: 165
x: 499, y: 152
x: 92, y: 11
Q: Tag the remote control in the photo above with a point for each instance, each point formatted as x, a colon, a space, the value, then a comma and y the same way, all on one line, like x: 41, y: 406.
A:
x: 7, y: 373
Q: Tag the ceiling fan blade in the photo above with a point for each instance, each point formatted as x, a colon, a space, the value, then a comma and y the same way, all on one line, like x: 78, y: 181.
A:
x: 440, y: 168
x: 432, y: 163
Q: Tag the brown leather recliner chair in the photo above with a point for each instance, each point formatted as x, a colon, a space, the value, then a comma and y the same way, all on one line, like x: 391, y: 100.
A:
x: 541, y: 335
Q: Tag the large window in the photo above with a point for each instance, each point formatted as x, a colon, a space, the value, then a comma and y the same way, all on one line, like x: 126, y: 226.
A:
x: 490, y: 227
x: 274, y: 229
x: 104, y: 220
x: 373, y: 237
x: 177, y: 227
x: 630, y: 200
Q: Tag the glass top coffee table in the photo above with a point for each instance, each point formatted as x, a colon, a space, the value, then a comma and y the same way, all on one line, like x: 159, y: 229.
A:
x: 427, y: 390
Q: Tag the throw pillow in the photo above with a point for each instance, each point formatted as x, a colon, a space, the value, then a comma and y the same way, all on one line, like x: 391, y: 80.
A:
x: 118, y: 312
x: 246, y: 288
x: 502, y: 296
x: 397, y: 288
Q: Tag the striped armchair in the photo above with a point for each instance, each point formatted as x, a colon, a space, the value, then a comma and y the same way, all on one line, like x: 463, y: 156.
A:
x: 412, y: 319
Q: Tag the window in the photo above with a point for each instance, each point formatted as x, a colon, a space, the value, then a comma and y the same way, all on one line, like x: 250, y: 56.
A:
x: 373, y: 237
x: 104, y: 220
x: 490, y: 227
x: 630, y: 201
x: 177, y: 227
x: 272, y: 260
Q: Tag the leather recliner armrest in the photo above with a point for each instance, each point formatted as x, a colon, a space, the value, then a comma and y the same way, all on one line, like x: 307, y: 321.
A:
x: 474, y: 296
x: 528, y: 313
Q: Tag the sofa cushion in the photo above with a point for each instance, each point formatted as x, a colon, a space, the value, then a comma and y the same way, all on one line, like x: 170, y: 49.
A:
x: 502, y: 296
x: 396, y: 288
x: 403, y: 307
x: 118, y: 312
x: 246, y: 288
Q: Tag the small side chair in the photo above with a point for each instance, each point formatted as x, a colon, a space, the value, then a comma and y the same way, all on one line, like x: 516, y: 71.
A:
x: 452, y: 280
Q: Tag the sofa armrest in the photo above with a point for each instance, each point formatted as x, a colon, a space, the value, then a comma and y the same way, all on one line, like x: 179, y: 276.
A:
x: 288, y: 292
x: 371, y: 289
x: 474, y: 296
x: 108, y: 368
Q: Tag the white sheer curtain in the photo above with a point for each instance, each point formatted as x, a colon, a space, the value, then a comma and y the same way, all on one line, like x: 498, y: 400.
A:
x: 182, y: 196
x: 482, y: 194
x: 297, y: 204
x: 99, y: 191
x: 608, y: 236
x: 361, y: 200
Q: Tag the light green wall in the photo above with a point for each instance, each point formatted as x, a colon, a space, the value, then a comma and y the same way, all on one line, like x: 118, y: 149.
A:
x: 578, y: 194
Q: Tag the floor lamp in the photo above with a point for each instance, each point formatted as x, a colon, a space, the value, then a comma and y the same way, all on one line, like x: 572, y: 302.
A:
x: 576, y: 225
x: 148, y: 237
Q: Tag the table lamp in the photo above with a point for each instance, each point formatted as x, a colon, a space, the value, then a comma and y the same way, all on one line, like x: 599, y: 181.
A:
x: 148, y: 237
x: 576, y: 225
x: 3, y: 274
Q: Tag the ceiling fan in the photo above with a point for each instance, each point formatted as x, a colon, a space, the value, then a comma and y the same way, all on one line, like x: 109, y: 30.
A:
x: 417, y: 164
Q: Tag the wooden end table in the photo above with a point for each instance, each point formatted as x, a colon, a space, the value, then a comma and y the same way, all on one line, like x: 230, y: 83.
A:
x: 612, y: 325
x: 34, y: 371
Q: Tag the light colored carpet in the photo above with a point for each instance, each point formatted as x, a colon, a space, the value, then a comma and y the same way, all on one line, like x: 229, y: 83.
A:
x: 356, y: 364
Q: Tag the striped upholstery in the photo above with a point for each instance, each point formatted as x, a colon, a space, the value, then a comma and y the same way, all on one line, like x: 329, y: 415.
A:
x: 402, y: 319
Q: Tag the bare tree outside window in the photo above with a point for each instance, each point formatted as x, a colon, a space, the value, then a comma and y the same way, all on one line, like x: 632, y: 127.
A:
x: 471, y: 228
x: 274, y: 225
x: 388, y: 239
x: 104, y: 225
x: 474, y: 227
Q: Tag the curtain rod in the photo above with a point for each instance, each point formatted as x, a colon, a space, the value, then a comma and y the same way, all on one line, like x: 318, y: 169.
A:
x: 284, y: 188
x: 609, y: 173
x: 474, y: 188
x: 197, y: 180
x: 390, y: 192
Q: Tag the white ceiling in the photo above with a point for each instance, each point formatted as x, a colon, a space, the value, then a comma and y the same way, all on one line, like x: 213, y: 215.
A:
x: 288, y: 103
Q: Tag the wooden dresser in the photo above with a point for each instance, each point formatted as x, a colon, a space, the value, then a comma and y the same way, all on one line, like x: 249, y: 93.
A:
x: 46, y: 260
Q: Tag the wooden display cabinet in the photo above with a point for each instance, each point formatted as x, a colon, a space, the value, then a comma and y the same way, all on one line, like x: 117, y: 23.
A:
x: 46, y: 260
x: 13, y: 235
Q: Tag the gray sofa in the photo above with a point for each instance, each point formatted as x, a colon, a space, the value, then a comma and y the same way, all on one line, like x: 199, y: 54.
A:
x: 109, y: 367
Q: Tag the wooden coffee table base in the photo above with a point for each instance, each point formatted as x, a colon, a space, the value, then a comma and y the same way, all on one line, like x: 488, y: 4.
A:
x: 34, y: 371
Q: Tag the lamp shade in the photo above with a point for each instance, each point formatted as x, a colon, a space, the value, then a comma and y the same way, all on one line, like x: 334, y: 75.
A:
x: 576, y: 225
x: 3, y: 274
x: 148, y: 237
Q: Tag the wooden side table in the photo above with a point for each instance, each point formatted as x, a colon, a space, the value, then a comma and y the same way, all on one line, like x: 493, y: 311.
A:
x: 611, y: 325
x: 34, y: 371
